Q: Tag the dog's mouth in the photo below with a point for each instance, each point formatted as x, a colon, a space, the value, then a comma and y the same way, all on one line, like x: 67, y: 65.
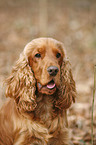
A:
x: 49, y: 87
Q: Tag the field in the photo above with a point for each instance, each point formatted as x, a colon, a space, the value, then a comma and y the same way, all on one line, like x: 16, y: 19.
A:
x: 73, y: 22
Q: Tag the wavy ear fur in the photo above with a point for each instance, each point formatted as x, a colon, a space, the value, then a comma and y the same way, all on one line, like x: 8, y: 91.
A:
x: 21, y: 85
x: 67, y: 92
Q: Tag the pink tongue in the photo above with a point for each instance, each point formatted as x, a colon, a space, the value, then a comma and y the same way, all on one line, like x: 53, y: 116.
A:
x: 51, y: 85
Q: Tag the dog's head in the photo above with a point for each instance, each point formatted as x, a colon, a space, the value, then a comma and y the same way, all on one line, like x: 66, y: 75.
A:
x: 45, y: 58
x: 42, y: 67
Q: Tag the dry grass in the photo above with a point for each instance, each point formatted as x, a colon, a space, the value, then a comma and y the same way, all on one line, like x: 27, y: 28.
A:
x: 74, y: 23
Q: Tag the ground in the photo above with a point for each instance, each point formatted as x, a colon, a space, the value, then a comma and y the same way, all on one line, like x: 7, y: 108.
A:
x: 73, y: 23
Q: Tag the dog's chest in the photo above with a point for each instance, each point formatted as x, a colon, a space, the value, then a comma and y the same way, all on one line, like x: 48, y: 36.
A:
x: 44, y: 111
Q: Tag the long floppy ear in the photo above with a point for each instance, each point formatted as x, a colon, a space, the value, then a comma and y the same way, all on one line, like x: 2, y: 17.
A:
x: 67, y: 92
x: 21, y: 85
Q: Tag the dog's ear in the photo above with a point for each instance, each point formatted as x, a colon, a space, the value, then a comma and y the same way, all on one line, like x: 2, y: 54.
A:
x: 67, y: 92
x: 21, y: 85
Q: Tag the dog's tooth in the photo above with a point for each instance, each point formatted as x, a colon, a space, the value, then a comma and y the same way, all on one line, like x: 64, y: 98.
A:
x: 39, y: 85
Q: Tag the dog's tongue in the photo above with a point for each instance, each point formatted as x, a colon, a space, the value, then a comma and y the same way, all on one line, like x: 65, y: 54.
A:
x: 51, y: 85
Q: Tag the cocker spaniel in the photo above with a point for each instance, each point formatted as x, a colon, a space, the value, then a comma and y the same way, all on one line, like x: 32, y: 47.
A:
x: 41, y: 88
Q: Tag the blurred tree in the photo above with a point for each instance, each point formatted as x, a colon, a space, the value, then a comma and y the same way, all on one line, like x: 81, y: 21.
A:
x: 43, y: 16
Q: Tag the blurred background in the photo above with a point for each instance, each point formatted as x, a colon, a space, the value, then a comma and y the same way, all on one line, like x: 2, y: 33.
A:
x: 72, y: 22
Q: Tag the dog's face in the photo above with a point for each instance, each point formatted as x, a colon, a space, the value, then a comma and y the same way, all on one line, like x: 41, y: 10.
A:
x: 41, y: 69
x: 45, y: 60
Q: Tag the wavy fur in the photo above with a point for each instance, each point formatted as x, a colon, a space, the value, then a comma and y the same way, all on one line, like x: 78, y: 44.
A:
x: 36, y: 115
x: 21, y: 86
x: 67, y: 91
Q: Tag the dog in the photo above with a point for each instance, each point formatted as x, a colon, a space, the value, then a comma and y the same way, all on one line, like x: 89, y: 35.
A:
x: 41, y: 89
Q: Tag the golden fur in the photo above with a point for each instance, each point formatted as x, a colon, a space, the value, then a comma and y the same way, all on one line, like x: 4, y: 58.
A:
x: 36, y: 114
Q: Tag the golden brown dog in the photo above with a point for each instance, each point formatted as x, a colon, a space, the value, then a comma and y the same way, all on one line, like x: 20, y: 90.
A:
x: 41, y: 88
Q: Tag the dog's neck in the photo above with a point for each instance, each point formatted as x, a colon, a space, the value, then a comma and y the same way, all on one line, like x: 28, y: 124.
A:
x: 44, y: 110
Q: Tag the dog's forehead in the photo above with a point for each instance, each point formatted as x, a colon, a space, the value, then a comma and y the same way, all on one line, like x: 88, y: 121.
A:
x: 46, y: 42
x: 43, y: 44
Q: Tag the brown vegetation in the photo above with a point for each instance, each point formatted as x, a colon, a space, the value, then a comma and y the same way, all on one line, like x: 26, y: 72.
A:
x: 73, y: 23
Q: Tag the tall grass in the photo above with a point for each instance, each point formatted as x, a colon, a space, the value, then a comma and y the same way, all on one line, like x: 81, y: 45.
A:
x: 92, y: 137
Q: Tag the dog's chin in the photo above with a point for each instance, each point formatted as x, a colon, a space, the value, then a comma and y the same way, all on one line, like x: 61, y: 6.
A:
x: 47, y: 89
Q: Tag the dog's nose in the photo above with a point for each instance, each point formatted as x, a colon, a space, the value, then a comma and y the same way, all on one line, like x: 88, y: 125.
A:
x: 52, y: 70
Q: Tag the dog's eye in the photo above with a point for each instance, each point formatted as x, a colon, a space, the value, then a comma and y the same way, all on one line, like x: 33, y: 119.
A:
x: 58, y: 55
x: 38, y: 55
